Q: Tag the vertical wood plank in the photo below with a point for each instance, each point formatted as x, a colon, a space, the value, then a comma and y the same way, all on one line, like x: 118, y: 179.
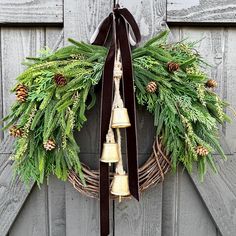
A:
x: 33, y: 218
x: 27, y: 41
x: 150, y: 15
x: 144, y: 217
x: 218, y: 192
x: 181, y: 203
x: 170, y: 185
x: 230, y: 84
x: 140, y: 218
x: 56, y: 188
x: 192, y: 216
x: 1, y: 92
x: 82, y: 214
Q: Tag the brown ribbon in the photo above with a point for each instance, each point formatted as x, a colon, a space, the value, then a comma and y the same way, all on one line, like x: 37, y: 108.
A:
x: 118, y: 25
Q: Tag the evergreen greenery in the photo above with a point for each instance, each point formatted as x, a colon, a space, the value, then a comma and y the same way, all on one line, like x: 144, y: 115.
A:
x: 186, y: 114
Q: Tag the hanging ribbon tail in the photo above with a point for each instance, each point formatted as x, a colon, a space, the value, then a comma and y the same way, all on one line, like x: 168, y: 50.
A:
x: 125, y: 20
x: 117, y: 24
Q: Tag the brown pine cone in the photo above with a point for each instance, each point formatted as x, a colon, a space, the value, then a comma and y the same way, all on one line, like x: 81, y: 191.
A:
x: 16, y: 132
x: 211, y: 83
x: 21, y: 93
x: 49, y: 145
x: 202, y: 151
x: 60, y: 80
x: 172, y: 66
x: 151, y: 87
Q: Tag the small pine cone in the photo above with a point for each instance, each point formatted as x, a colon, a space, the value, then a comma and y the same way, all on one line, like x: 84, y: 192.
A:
x: 16, y: 132
x: 151, y: 87
x: 211, y: 83
x: 49, y: 145
x: 21, y: 93
x: 172, y: 66
x: 60, y: 80
x: 202, y: 151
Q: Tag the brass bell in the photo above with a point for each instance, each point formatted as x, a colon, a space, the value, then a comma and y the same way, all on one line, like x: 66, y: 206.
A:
x: 120, y: 185
x: 110, y: 153
x: 120, y: 118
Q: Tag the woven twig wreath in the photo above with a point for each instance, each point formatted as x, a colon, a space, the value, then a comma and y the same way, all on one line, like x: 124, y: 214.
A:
x: 151, y: 173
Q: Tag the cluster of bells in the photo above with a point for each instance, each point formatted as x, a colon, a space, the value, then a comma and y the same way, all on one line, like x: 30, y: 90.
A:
x: 110, y: 153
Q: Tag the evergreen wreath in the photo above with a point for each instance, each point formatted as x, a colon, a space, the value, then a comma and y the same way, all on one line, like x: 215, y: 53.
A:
x: 57, y: 89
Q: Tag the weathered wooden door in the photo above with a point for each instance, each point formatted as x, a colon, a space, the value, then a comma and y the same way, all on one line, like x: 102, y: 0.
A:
x: 180, y: 206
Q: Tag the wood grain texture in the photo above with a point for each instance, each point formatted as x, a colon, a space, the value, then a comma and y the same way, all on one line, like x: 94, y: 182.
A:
x: 13, y: 194
x: 26, y: 42
x: 31, y: 11
x: 82, y: 17
x: 144, y: 217
x: 213, y: 48
x: 201, y: 11
x: 56, y: 188
x: 140, y: 218
x: 192, y: 214
x: 33, y: 217
x: 1, y: 100
x: 219, y: 194
x: 82, y: 214
x: 150, y: 15
x: 230, y: 84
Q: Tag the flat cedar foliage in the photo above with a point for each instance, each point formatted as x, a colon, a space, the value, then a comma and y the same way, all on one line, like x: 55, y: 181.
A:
x: 186, y: 113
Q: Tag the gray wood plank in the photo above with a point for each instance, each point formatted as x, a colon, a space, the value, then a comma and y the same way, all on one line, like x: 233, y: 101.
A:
x: 31, y: 12
x: 33, y: 217
x: 230, y: 84
x: 201, y: 11
x: 144, y: 217
x: 150, y: 15
x: 192, y: 214
x: 183, y: 211
x: 13, y: 193
x: 1, y: 96
x: 56, y: 188
x: 27, y: 42
x: 219, y: 193
x: 140, y: 218
x: 82, y: 17
x: 82, y: 214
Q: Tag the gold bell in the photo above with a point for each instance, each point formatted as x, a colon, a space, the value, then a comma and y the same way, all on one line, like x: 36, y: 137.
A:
x: 120, y: 118
x: 110, y: 153
x: 120, y: 185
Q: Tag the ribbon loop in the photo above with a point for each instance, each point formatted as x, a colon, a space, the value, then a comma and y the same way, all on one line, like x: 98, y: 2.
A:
x: 119, y: 24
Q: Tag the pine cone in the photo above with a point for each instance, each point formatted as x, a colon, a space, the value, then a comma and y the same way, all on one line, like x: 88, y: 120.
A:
x: 49, y: 145
x: 211, y: 83
x: 172, y: 66
x: 60, y: 80
x: 151, y: 87
x: 202, y: 151
x: 16, y: 132
x: 21, y: 93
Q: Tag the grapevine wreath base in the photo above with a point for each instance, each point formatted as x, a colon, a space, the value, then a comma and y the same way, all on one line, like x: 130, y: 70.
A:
x: 151, y: 173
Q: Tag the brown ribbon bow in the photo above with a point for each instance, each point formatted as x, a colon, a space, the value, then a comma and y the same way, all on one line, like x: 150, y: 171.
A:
x: 118, y: 25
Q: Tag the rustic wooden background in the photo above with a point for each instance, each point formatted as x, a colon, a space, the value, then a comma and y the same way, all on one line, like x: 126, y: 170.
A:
x: 180, y: 206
